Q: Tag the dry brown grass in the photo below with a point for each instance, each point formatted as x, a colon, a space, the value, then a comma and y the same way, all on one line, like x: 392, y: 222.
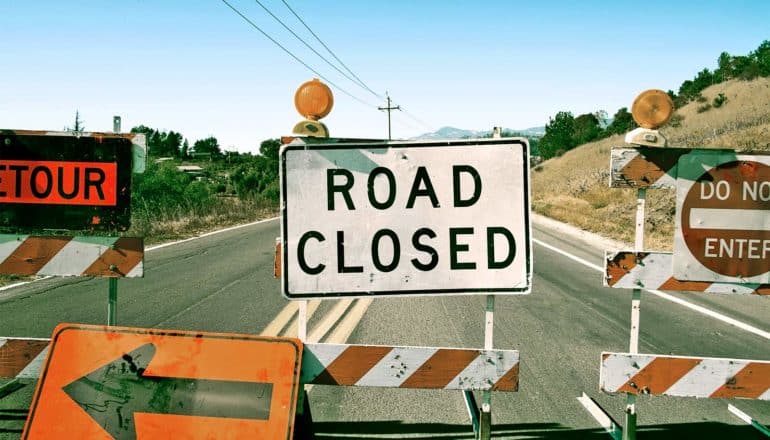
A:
x: 574, y: 188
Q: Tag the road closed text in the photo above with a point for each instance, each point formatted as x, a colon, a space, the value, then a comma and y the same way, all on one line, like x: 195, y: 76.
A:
x: 419, y: 241
x: 58, y: 182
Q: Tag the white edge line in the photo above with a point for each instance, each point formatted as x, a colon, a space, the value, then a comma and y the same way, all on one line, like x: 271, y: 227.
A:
x: 208, y: 234
x: 21, y: 283
x: 600, y: 416
x: 568, y: 255
x: 160, y: 246
x: 740, y: 414
x: 666, y: 296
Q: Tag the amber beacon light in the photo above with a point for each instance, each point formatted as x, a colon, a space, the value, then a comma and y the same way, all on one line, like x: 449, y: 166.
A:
x: 313, y: 100
x: 652, y: 109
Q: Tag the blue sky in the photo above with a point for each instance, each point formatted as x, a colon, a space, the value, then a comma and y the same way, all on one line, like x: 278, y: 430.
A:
x: 195, y: 67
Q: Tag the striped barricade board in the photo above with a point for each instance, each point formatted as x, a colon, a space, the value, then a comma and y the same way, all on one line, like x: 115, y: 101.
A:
x: 22, y: 358
x: 685, y: 376
x: 98, y: 256
x: 345, y: 365
x: 648, y: 167
x: 410, y: 367
x: 655, y: 168
x: 654, y: 270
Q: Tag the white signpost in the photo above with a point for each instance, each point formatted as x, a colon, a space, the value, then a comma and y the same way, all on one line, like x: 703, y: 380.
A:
x: 410, y: 218
x: 723, y: 219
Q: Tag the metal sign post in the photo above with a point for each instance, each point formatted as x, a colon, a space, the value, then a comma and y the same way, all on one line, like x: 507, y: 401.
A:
x: 370, y: 218
x: 112, y: 298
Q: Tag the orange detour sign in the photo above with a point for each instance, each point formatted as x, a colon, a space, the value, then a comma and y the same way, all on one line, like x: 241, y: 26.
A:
x: 129, y: 383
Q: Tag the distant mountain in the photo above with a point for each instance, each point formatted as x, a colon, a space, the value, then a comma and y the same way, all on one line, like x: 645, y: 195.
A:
x: 459, y: 133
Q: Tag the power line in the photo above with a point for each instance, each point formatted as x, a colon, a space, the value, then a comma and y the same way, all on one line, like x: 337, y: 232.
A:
x: 416, y: 119
x: 294, y: 56
x: 358, y: 83
x: 362, y: 83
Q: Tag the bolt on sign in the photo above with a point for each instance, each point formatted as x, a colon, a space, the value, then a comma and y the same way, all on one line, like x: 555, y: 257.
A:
x: 58, y: 181
x: 723, y: 218
x: 406, y: 218
x: 129, y: 383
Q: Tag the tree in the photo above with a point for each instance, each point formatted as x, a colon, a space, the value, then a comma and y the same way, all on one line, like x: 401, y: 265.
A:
x: 171, y: 143
x: 586, y: 129
x: 79, y: 126
x: 269, y: 148
x: 185, y: 149
x: 209, y: 145
x: 725, y: 66
x: 762, y: 58
x: 622, y: 122
x: 558, y: 135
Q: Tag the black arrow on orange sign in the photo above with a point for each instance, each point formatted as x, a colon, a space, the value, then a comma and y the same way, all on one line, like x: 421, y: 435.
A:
x: 113, y: 393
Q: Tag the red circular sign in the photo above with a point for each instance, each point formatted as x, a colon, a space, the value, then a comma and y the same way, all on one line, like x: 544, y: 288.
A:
x: 724, y: 219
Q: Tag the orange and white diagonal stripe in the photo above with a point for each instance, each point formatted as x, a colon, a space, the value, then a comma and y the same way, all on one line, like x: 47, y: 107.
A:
x: 655, y: 270
x: 685, y: 376
x: 410, y: 367
x: 22, y: 357
x: 71, y: 256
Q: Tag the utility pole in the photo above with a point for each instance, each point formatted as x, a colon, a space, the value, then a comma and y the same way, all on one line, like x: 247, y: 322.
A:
x: 388, y: 109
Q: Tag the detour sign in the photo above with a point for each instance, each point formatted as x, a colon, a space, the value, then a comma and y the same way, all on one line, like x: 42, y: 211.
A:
x: 58, y: 183
x: 724, y: 219
x: 54, y: 180
x: 130, y: 383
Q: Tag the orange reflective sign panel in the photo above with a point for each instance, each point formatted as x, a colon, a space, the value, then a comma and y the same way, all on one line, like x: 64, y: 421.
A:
x: 59, y: 183
x: 129, y: 383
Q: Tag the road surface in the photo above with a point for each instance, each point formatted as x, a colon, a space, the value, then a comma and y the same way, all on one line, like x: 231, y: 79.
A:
x: 223, y: 282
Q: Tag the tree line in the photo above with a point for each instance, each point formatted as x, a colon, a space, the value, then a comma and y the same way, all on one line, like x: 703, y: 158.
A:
x: 173, y: 144
x: 564, y: 131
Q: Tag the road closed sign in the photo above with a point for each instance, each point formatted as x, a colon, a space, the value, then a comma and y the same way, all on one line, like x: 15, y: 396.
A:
x: 723, y: 218
x: 54, y: 180
x: 408, y: 218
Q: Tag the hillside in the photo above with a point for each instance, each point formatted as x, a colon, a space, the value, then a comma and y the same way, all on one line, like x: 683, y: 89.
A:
x: 574, y: 188
x: 460, y: 133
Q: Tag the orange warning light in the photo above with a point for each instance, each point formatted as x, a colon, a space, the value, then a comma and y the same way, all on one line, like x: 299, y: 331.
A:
x: 652, y: 108
x: 314, y: 99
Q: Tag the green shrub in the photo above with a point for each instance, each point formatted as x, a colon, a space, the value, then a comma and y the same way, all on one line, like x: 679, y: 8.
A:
x: 719, y: 100
x: 704, y: 107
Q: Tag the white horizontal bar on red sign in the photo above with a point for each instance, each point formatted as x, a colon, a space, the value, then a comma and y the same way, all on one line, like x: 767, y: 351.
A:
x: 654, y: 270
x: 410, y: 367
x: 685, y: 376
x: 730, y: 219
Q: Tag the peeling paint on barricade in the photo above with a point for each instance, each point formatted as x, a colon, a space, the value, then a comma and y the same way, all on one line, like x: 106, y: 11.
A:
x: 654, y: 270
x: 22, y: 358
x: 685, y: 376
x: 410, y: 367
x: 114, y: 257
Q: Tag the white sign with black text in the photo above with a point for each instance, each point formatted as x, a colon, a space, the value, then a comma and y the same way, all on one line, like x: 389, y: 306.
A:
x: 406, y: 218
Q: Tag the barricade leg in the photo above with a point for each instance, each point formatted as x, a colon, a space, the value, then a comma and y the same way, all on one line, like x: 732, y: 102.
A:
x: 629, y: 427
x: 303, y: 422
x: 485, y: 419
x: 473, y: 411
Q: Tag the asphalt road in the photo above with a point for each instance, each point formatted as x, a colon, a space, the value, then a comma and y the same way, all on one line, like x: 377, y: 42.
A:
x: 223, y: 282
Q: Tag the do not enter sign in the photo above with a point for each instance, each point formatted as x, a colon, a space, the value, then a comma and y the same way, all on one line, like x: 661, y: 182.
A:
x: 723, y: 219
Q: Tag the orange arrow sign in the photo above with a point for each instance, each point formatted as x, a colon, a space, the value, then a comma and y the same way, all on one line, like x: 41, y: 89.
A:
x: 129, y: 383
